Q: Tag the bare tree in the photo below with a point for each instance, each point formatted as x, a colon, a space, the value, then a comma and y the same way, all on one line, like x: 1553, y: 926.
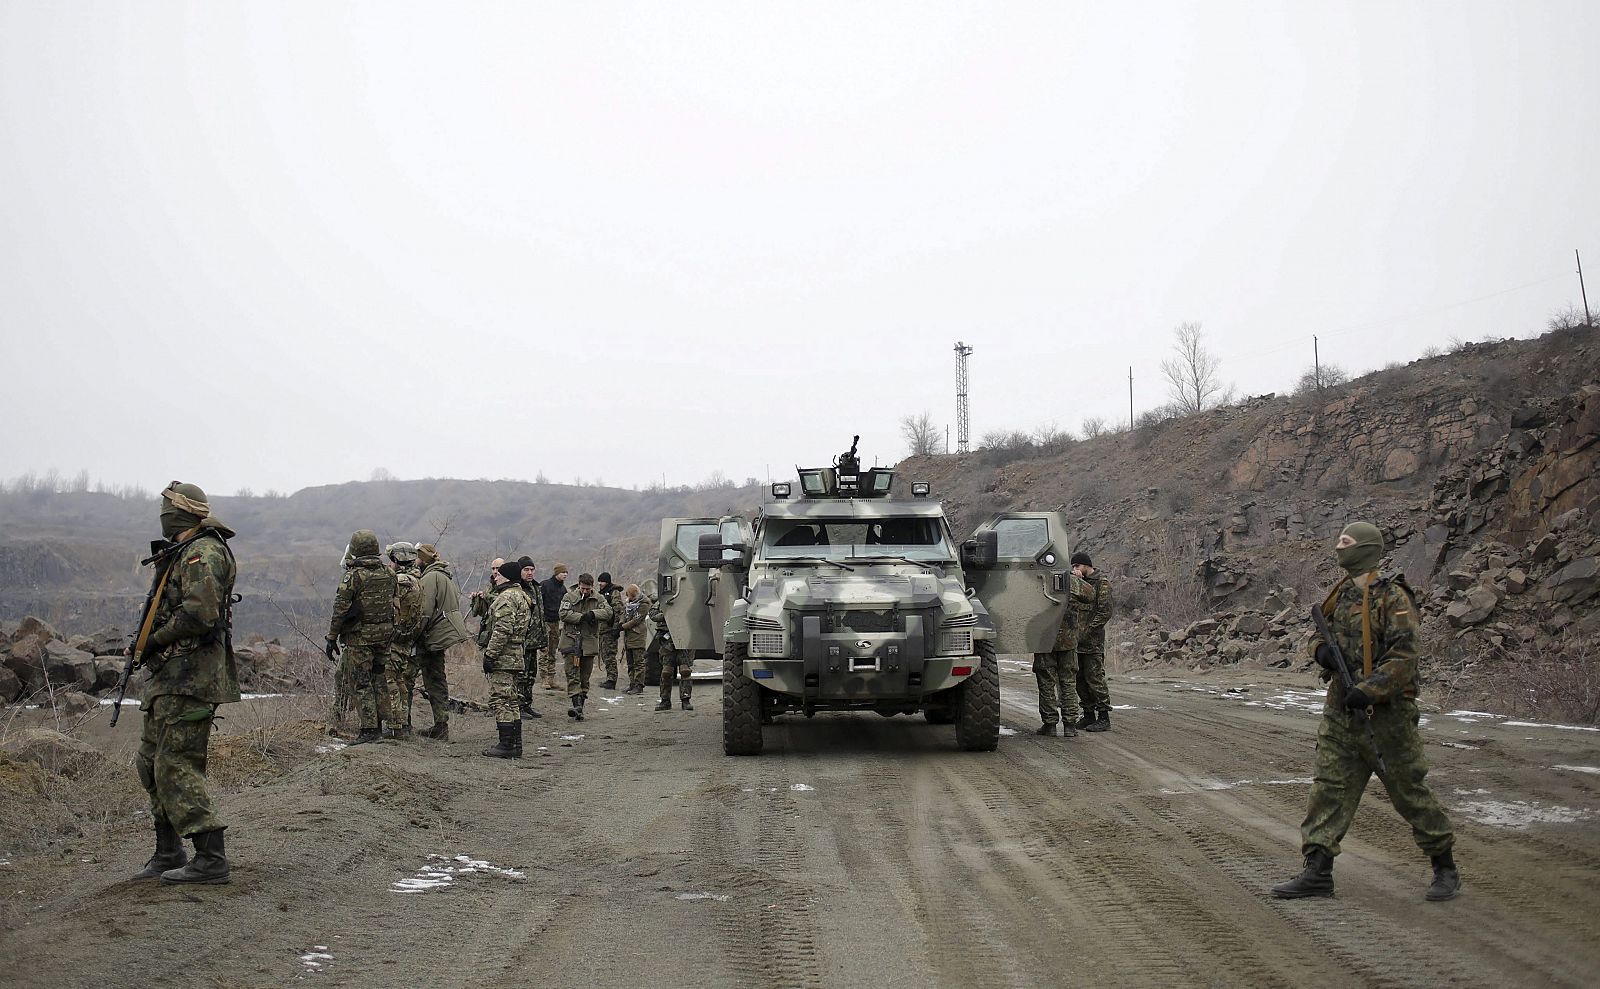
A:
x: 922, y: 440
x: 1192, y: 372
x: 1093, y: 426
x: 1320, y: 376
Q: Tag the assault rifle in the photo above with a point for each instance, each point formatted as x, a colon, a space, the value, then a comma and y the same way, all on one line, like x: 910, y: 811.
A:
x: 162, y: 552
x: 1363, y: 717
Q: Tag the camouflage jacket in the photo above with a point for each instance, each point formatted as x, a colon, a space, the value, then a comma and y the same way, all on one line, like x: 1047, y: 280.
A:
x: 538, y: 634
x: 363, y: 606
x: 613, y: 595
x: 1393, y: 617
x: 630, y: 618
x: 510, y: 613
x: 1075, y: 622
x: 442, y: 624
x: 480, y: 605
x: 583, y: 619
x: 190, y: 634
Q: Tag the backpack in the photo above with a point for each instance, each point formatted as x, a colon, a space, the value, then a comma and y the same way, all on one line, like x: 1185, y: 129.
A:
x: 407, y: 605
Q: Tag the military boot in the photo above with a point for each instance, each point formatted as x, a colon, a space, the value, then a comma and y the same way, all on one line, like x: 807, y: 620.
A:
x: 439, y: 731
x: 1102, y: 722
x: 210, y: 864
x: 507, y: 747
x: 1067, y: 730
x: 169, y: 851
x: 1048, y: 728
x: 367, y: 735
x: 666, y: 702
x: 685, y: 705
x: 1085, y: 721
x: 685, y: 688
x: 1446, y: 879
x: 1315, y: 880
x: 577, y: 708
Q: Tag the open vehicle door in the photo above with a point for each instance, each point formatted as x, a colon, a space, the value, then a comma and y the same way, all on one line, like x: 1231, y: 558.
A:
x: 1019, y: 565
x: 697, y: 597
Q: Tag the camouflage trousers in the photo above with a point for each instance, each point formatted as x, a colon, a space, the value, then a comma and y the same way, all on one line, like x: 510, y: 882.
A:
x: 550, y: 656
x: 368, y: 683
x: 530, y: 671
x: 1057, y: 672
x: 505, y: 695
x: 401, y: 673
x: 608, y: 656
x: 679, y: 667
x: 635, y: 662
x: 579, y: 670
x: 172, y: 762
x: 430, y: 670
x: 1345, y: 764
x: 1093, y: 693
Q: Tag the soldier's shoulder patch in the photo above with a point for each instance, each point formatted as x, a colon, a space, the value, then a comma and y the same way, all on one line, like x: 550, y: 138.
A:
x: 197, y: 558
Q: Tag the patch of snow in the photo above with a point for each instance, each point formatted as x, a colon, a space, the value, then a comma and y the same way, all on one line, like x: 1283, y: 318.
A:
x: 1460, y: 745
x: 1536, y: 724
x: 1123, y: 707
x: 1520, y: 814
x: 1468, y: 714
x: 572, y: 738
x: 1007, y: 731
x: 613, y: 700
x: 802, y: 788
x: 331, y: 747
x: 690, y: 897
x: 1468, y: 793
x: 438, y: 876
x: 1592, y: 770
x: 1221, y: 785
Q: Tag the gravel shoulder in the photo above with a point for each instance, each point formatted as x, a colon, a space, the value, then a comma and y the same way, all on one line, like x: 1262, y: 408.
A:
x: 858, y: 850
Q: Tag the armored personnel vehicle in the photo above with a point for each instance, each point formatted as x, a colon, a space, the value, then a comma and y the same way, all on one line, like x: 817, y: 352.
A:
x: 839, y: 595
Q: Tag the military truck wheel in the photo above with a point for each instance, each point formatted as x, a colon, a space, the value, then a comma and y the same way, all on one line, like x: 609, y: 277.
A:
x: 978, y: 707
x: 741, y: 705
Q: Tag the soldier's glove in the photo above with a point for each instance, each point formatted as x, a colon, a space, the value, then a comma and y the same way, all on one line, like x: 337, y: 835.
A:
x: 488, y: 664
x: 1356, y: 699
x: 1325, y: 658
x: 332, y: 650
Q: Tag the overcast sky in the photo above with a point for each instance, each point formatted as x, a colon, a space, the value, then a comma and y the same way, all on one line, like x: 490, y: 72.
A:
x: 276, y: 245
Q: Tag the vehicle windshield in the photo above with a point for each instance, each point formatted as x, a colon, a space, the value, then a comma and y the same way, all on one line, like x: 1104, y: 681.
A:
x: 921, y: 539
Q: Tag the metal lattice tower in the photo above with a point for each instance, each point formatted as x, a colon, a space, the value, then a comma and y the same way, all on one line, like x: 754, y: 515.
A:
x: 962, y: 353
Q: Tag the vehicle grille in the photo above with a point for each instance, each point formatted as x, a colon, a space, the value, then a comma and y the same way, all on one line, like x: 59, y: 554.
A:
x: 961, y: 621
x: 767, y: 643
x: 866, y: 621
x: 768, y: 624
x: 955, y: 641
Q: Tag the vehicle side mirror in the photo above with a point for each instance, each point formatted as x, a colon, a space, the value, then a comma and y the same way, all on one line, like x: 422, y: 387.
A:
x: 982, y: 550
x: 709, y: 552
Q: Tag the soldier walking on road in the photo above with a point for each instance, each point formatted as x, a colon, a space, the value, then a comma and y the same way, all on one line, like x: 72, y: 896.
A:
x: 610, y: 634
x: 676, y: 664
x: 1374, y: 620
x: 442, y: 627
x: 189, y: 655
x: 584, y: 613
x: 509, y: 611
x: 1057, y: 674
x: 1092, y: 603
x: 551, y: 594
x: 363, y: 622
x: 401, y: 669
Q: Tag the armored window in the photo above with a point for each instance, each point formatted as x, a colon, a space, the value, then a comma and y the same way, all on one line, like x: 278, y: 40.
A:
x: 1022, y: 539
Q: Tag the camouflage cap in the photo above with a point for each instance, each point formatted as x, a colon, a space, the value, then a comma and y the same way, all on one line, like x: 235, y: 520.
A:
x: 401, y: 552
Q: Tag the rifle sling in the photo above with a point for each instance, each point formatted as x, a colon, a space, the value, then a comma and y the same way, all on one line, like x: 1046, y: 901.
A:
x: 148, y: 624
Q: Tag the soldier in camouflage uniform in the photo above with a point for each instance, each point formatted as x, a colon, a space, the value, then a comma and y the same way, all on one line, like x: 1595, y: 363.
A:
x: 442, y: 627
x: 504, y: 639
x: 611, y: 634
x: 534, y: 647
x: 1092, y: 608
x: 584, y: 614
x: 363, y: 623
x: 400, y: 669
x: 189, y: 656
x: 676, y: 664
x: 1057, y: 673
x: 660, y: 645
x: 630, y: 620
x: 1374, y: 620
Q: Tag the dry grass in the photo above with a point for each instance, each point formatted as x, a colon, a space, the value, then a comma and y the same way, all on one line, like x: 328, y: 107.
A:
x: 1554, y: 679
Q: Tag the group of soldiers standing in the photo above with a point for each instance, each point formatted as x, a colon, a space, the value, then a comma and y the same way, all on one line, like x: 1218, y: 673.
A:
x: 394, y: 618
x: 1072, y: 676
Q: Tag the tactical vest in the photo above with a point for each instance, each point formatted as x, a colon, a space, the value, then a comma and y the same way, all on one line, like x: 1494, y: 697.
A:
x: 373, y: 589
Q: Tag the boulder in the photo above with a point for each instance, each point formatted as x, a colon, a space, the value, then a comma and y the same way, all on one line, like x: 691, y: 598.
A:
x: 25, y: 658
x: 1516, y: 580
x: 1204, y: 626
x: 1460, y: 580
x: 1544, y: 549
x: 36, y: 627
x: 1577, y: 581
x: 1399, y: 464
x: 69, y: 667
x: 1474, y: 607
x: 107, y: 673
x: 1250, y: 624
x: 71, y: 703
x: 107, y: 641
x: 10, y: 685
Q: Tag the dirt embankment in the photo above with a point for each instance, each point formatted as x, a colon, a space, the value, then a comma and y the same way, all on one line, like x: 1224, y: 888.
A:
x: 858, y: 850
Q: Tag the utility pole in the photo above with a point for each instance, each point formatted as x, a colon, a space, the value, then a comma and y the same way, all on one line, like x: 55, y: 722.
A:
x: 962, y: 353
x: 1587, y: 320
x: 947, y: 439
x: 1130, y: 396
x: 1316, y: 363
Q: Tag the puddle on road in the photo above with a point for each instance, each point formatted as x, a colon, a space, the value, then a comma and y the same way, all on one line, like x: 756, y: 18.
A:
x: 441, y: 871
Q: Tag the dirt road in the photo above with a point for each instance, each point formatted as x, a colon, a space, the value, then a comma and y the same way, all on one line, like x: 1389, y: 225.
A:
x: 857, y: 851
